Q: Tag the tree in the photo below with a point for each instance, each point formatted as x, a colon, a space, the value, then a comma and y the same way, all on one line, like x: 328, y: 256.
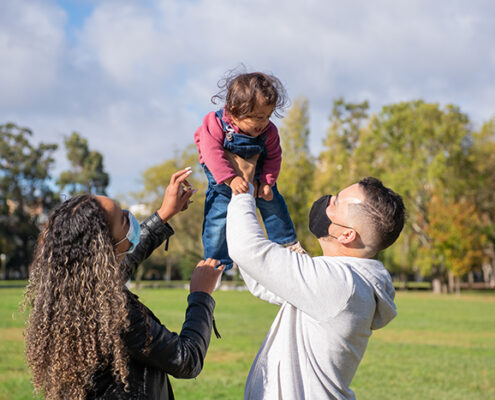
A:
x: 483, y: 179
x: 297, y: 171
x: 25, y: 195
x: 421, y: 151
x: 185, y: 248
x: 87, y: 174
x: 455, y: 243
x: 338, y: 165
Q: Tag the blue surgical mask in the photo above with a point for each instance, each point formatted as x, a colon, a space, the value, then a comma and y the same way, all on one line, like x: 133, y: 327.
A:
x: 133, y: 234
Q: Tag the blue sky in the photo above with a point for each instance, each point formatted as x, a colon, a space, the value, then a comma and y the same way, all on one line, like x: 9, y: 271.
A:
x: 136, y: 77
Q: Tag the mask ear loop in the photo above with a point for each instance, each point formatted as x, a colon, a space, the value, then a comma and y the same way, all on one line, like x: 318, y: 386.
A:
x: 132, y: 230
x: 127, y: 234
x: 120, y: 241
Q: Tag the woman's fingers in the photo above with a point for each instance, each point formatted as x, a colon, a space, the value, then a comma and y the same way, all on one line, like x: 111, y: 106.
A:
x: 212, y: 263
x: 180, y: 176
x: 209, y: 262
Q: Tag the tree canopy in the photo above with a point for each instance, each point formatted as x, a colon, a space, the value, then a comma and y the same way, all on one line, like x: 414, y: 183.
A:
x: 429, y: 153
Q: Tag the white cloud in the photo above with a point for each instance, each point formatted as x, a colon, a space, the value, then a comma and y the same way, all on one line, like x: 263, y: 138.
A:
x: 31, y: 42
x: 138, y: 77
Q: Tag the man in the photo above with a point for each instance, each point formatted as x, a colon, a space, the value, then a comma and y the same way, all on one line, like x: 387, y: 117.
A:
x: 329, y: 304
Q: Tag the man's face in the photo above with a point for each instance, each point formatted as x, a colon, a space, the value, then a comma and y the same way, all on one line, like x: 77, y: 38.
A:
x: 338, y: 208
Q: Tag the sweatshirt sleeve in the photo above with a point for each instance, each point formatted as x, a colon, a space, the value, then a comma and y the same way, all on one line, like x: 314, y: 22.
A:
x: 259, y: 291
x: 305, y: 282
x: 273, y: 160
x: 209, y: 139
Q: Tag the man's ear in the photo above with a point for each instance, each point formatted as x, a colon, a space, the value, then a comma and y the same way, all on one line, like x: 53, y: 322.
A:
x: 348, y: 236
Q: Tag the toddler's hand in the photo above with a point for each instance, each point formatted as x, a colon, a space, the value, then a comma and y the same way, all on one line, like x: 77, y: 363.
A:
x: 238, y: 185
x: 265, y: 191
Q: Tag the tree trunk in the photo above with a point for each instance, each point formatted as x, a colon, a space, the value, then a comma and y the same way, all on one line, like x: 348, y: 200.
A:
x: 470, y: 279
x: 451, y: 282
x: 139, y: 275
x: 403, y: 280
x: 3, y: 266
x: 168, y: 269
x: 488, y: 274
x: 442, y: 280
x: 437, y: 285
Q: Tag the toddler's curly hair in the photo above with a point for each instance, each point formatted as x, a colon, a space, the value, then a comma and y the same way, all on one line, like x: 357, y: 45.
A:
x: 242, y: 92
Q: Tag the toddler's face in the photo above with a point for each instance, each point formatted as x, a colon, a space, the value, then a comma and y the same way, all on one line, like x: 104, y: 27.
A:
x: 255, y: 122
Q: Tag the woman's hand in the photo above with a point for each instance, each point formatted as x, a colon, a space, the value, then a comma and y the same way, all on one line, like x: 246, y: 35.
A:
x: 205, y: 276
x: 177, y: 195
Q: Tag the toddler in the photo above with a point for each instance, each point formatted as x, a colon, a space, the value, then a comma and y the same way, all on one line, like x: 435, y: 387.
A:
x: 243, y: 128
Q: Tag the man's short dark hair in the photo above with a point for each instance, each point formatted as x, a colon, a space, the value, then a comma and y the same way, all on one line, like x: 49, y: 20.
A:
x: 385, y: 209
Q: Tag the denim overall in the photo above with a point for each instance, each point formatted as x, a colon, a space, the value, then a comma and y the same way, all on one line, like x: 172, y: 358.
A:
x: 278, y: 224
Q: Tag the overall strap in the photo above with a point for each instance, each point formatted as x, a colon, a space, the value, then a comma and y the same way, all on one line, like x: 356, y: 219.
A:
x: 227, y: 129
x: 225, y: 126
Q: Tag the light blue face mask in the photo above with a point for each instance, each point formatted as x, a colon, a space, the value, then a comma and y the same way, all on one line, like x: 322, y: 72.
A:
x: 133, y: 234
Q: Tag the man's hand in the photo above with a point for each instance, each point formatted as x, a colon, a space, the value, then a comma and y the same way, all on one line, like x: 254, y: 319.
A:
x: 265, y: 191
x: 238, y: 185
x: 177, y: 195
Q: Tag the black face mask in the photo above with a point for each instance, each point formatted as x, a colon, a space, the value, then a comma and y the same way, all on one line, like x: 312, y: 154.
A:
x: 318, y: 218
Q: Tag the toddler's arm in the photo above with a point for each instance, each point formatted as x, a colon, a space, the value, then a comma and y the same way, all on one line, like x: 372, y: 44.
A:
x: 273, y: 159
x: 209, y: 139
x: 244, y: 169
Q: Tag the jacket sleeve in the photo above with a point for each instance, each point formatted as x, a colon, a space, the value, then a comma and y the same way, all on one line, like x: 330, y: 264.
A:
x: 209, y: 138
x: 153, y: 233
x: 180, y: 355
x: 273, y: 160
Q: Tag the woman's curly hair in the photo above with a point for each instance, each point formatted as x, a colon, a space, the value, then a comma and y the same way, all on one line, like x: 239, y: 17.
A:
x: 77, y: 301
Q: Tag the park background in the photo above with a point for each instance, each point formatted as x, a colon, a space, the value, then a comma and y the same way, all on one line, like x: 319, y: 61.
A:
x: 104, y: 97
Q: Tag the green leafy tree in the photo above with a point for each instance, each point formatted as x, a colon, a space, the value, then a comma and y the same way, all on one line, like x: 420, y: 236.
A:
x: 185, y: 248
x: 421, y: 150
x: 455, y: 243
x: 25, y: 195
x: 87, y: 174
x: 483, y: 182
x: 296, y: 177
x: 338, y: 165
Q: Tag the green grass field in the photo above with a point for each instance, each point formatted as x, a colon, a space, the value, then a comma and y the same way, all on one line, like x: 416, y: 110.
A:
x: 439, y: 347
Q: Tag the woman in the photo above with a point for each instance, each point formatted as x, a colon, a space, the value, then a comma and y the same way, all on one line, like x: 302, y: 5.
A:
x: 88, y: 337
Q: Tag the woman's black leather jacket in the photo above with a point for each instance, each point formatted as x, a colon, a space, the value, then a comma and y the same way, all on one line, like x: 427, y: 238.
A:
x: 153, y: 350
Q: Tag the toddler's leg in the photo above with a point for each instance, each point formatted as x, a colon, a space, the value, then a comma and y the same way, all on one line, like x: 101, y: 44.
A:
x: 214, y: 240
x: 278, y: 224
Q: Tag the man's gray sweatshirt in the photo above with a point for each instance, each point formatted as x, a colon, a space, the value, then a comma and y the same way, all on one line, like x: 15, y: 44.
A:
x: 328, y: 309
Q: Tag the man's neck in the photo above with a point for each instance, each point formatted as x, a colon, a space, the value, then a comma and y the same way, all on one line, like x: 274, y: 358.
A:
x: 330, y: 250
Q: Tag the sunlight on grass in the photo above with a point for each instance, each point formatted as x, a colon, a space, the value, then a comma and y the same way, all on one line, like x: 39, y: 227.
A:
x: 438, y: 347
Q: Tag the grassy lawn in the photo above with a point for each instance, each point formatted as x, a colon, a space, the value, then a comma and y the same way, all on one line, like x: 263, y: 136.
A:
x: 439, y: 347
